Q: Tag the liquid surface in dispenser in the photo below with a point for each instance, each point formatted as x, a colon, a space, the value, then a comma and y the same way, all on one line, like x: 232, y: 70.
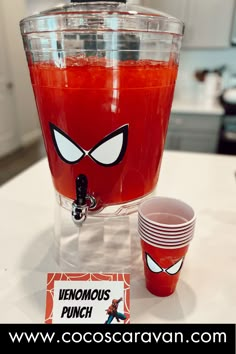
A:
x: 105, y: 120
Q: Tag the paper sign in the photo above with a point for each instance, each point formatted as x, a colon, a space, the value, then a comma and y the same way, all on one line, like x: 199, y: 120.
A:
x: 88, y: 298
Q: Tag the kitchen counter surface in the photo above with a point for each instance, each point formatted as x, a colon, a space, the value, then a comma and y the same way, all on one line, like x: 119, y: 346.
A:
x: 206, y: 290
x: 196, y: 106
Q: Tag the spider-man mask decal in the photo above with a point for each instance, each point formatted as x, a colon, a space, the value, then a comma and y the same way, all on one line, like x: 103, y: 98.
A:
x: 107, y: 152
x: 154, y: 267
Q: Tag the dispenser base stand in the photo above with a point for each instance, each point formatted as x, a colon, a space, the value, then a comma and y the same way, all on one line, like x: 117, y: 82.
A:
x: 97, y: 245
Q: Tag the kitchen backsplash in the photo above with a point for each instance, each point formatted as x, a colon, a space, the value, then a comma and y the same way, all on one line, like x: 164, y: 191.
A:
x: 194, y: 60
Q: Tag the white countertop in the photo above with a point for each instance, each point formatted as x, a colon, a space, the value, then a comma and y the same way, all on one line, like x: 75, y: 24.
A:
x: 196, y: 106
x: 206, y: 291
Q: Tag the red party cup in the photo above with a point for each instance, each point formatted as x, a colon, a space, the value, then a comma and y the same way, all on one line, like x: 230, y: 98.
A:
x: 162, y: 267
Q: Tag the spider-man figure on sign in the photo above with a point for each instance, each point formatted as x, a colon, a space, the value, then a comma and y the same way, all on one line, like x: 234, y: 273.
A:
x: 112, y: 312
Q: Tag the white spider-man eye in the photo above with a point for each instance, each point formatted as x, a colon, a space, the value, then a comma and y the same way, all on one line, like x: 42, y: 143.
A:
x: 152, y: 265
x: 66, y: 148
x: 110, y: 150
x: 175, y: 268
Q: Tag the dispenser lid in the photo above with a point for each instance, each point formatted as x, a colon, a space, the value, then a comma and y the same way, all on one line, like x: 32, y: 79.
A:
x: 98, y: 1
x: 97, y: 15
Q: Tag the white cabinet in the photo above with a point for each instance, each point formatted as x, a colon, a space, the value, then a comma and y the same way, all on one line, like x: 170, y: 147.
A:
x: 233, y: 35
x: 208, y: 23
x: 176, y: 8
x: 19, y: 115
x: 33, y: 6
x: 9, y: 137
x: 193, y: 132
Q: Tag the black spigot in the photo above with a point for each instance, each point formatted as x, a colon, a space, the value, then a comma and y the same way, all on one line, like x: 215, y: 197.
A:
x: 81, y: 189
x: 83, y: 200
x: 79, y: 206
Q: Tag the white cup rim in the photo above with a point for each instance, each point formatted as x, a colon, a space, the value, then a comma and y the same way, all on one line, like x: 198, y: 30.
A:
x: 157, y: 242
x: 166, y: 232
x: 160, y: 228
x: 165, y: 240
x: 165, y: 235
x: 172, y: 201
x: 165, y: 247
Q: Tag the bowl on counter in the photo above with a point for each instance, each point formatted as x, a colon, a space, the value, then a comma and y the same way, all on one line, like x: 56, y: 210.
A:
x: 228, y: 100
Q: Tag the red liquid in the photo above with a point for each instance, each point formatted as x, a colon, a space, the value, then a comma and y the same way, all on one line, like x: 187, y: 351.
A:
x: 88, y: 100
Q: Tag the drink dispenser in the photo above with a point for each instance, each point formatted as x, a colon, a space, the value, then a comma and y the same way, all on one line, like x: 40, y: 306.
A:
x: 103, y: 75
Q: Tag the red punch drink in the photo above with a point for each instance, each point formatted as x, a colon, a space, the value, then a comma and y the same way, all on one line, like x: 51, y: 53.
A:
x: 105, y: 121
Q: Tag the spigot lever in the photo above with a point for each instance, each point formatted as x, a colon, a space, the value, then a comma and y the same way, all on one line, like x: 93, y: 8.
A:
x: 79, y: 206
x: 81, y: 189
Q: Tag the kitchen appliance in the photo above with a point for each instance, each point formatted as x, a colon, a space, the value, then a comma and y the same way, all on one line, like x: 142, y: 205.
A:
x: 228, y: 100
x: 103, y: 75
x: 227, y: 141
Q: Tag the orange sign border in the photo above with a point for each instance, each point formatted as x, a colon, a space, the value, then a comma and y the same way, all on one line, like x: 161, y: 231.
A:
x: 52, y: 277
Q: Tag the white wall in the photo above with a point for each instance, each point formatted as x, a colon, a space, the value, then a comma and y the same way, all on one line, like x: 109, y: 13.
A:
x: 26, y: 119
x: 9, y: 137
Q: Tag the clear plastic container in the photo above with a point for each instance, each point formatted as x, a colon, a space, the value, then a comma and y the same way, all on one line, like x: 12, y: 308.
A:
x: 103, y: 74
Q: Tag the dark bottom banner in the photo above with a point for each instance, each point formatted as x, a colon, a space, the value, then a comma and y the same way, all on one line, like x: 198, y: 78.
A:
x: 204, y: 337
